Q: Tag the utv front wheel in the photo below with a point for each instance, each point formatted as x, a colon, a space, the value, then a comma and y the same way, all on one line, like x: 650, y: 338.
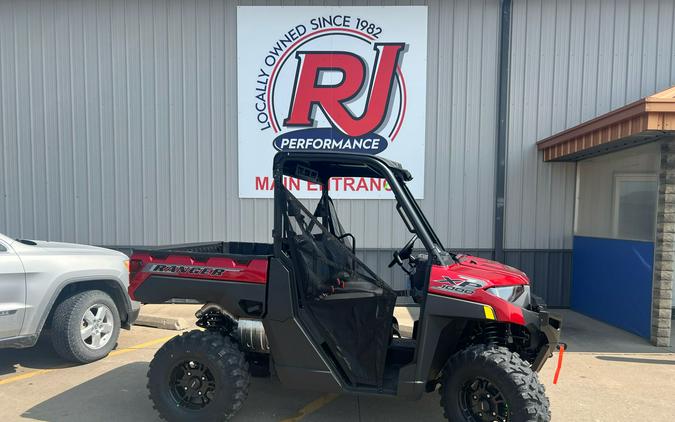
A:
x: 198, y: 376
x: 488, y: 383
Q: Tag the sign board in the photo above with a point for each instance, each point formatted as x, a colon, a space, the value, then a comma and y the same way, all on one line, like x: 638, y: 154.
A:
x: 347, y: 79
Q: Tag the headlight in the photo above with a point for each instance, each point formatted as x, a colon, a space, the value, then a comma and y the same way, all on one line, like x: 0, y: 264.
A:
x: 518, y: 295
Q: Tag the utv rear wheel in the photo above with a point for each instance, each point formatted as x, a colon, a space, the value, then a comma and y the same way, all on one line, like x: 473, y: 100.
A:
x: 487, y: 383
x: 198, y: 376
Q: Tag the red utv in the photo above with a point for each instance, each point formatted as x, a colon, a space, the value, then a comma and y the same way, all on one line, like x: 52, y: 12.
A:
x: 321, y: 320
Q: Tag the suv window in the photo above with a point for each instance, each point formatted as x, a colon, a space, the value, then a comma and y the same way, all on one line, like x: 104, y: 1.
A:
x: 3, y: 248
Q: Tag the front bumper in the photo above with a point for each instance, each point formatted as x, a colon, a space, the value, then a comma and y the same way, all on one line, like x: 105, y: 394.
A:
x: 132, y: 315
x: 548, y: 325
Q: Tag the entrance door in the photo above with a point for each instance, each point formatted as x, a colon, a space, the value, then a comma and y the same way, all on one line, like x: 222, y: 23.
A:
x: 349, y: 305
x: 615, y: 227
x: 12, y: 292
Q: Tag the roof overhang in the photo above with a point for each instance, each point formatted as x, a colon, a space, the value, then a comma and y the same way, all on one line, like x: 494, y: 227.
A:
x: 637, y: 123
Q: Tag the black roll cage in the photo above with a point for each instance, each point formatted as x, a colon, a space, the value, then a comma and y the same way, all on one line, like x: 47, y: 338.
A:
x: 333, y: 164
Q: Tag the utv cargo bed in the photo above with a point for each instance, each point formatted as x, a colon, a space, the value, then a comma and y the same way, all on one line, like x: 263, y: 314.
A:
x: 227, y: 269
x: 242, y: 249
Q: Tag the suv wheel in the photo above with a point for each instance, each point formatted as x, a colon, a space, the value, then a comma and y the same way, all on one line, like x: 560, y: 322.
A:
x: 198, y: 376
x: 85, y: 326
x: 488, y: 383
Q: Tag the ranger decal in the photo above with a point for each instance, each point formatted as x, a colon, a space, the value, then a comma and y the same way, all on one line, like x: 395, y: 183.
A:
x: 189, y: 269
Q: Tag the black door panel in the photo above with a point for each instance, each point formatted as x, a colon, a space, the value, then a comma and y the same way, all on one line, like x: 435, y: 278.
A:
x: 351, y: 307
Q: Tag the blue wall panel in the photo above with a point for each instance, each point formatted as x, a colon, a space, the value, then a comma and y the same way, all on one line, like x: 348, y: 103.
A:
x: 612, y: 282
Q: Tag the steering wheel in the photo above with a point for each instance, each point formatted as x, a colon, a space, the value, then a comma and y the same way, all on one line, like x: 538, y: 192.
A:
x: 404, y: 253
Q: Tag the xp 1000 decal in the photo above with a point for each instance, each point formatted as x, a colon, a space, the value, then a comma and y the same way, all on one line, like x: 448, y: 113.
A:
x: 462, y: 285
x: 348, y: 79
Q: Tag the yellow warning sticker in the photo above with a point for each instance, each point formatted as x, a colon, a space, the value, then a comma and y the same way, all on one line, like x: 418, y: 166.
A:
x: 489, y: 313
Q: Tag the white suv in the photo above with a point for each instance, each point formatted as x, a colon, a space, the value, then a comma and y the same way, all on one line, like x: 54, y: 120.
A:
x: 77, y: 292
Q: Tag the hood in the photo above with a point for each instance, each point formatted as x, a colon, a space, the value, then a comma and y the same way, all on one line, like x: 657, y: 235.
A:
x: 66, y: 248
x: 480, y: 272
x: 469, y: 280
x: 497, y: 273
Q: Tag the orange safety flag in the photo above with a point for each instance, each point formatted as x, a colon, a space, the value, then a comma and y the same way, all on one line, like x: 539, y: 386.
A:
x: 560, y: 360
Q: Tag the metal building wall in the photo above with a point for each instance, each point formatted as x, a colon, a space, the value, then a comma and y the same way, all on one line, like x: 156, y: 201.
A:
x: 571, y: 61
x: 119, y: 125
x: 118, y: 122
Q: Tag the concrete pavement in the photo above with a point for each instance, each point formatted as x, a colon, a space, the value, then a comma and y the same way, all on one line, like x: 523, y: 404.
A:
x: 614, y: 377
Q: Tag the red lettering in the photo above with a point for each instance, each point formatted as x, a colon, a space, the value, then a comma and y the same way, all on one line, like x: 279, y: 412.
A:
x: 263, y: 183
x: 291, y: 183
x: 375, y: 184
x: 313, y: 187
x: 349, y: 183
x: 336, y: 183
x: 295, y: 183
x: 362, y: 185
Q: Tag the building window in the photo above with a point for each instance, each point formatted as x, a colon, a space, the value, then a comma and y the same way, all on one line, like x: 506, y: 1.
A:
x: 617, y: 193
x: 634, y: 207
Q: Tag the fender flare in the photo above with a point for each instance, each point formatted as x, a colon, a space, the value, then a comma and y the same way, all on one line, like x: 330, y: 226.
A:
x: 442, y: 325
x: 124, y: 313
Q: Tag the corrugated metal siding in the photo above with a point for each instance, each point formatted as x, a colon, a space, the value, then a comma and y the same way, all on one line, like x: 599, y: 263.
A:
x: 572, y: 61
x: 461, y: 121
x: 550, y: 273
x: 118, y: 125
x: 118, y: 120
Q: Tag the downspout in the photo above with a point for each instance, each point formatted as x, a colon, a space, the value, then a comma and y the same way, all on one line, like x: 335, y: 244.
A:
x: 502, y: 114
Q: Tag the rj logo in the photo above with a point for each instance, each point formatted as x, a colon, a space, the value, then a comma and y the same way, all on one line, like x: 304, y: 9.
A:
x: 309, y: 92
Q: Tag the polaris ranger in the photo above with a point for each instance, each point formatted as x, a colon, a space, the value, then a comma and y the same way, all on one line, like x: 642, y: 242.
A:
x: 322, y: 320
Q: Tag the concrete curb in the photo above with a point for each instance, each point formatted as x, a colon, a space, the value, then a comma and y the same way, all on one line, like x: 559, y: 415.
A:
x: 165, y: 323
x: 166, y: 316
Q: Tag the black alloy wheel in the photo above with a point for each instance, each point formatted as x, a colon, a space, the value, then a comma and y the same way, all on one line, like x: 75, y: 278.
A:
x: 199, y: 376
x: 484, y: 383
x: 481, y: 401
x: 192, y: 385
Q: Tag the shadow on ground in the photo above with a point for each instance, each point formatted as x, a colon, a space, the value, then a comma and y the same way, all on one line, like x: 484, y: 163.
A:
x: 41, y: 356
x: 636, y: 360
x: 121, y: 395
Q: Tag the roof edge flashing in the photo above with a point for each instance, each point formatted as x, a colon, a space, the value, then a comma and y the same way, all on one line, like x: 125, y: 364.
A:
x: 648, y: 118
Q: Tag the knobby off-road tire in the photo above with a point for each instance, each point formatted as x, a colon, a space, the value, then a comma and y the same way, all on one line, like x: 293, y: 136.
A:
x: 198, y: 376
x: 499, y: 369
x: 91, y: 314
